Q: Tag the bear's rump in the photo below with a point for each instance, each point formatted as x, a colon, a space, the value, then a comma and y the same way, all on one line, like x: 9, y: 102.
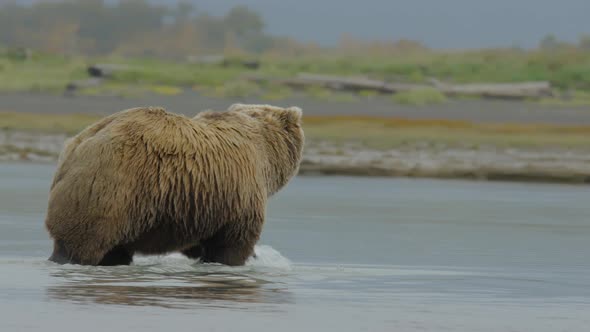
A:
x: 164, y: 237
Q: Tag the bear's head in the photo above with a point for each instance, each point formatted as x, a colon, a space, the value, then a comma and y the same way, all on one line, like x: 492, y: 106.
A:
x: 283, y: 140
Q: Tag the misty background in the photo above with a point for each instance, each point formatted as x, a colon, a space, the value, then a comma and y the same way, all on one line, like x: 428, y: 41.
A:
x: 437, y: 24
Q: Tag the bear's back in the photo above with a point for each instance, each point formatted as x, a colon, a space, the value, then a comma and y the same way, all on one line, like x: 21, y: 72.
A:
x: 148, y: 157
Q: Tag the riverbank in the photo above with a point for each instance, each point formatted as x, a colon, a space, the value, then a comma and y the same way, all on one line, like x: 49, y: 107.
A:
x: 469, y: 139
x: 438, y: 161
x: 407, y: 159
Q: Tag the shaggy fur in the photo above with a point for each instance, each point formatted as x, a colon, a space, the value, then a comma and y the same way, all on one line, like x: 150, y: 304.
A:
x: 148, y: 181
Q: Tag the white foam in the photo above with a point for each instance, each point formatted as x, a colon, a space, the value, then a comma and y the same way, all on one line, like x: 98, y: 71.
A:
x: 266, y: 257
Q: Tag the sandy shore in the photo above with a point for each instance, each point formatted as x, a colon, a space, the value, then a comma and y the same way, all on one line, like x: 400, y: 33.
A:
x: 412, y: 160
x: 439, y: 161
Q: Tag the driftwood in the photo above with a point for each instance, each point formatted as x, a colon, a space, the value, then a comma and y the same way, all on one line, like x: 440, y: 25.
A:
x: 105, y: 70
x: 356, y: 84
x: 342, y: 83
x: 499, y: 90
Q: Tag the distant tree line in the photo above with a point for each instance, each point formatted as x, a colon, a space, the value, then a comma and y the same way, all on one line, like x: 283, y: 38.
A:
x: 551, y: 43
x: 142, y: 28
x: 133, y: 27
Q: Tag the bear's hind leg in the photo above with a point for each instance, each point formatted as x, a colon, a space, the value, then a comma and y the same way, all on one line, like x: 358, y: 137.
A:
x: 117, y: 256
x: 232, y: 255
x: 232, y: 245
x: 90, y: 247
x: 194, y: 252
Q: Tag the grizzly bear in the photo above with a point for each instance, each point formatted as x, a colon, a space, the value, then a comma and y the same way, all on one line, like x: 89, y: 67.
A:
x: 148, y: 181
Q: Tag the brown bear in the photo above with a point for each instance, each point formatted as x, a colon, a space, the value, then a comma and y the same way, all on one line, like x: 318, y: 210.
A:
x: 152, y: 182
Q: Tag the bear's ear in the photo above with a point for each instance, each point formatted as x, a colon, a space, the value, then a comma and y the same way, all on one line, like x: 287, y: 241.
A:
x: 293, y: 114
x: 236, y: 107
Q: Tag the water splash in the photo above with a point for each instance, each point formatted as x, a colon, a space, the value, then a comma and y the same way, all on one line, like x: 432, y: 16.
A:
x: 268, y: 257
x: 175, y: 281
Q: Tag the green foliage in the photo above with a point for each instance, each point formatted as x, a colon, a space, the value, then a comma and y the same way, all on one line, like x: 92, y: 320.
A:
x: 318, y: 92
x: 46, y: 123
x: 566, y: 69
x: 166, y: 90
x: 154, y: 72
x: 420, y: 97
x: 276, y: 92
x: 237, y: 89
x: 243, y: 21
x: 380, y: 133
x: 43, y: 74
x: 368, y: 94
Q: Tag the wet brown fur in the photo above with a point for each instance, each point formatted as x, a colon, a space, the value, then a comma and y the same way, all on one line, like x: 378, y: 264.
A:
x: 148, y: 181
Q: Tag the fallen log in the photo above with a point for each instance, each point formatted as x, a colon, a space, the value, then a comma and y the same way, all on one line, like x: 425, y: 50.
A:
x: 343, y: 83
x: 499, y: 90
x: 355, y: 84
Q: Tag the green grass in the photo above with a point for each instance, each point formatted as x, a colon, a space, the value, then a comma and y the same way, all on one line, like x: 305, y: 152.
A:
x: 387, y: 133
x: 154, y: 72
x: 318, y: 92
x: 565, y: 69
x: 115, y: 89
x: 46, y: 123
x: 236, y: 89
x: 45, y: 74
x: 377, y: 133
x: 420, y: 97
x: 165, y: 90
x: 128, y: 90
x: 323, y: 94
x: 276, y: 92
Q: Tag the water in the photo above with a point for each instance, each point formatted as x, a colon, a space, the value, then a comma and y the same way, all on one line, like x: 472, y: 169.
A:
x: 337, y: 254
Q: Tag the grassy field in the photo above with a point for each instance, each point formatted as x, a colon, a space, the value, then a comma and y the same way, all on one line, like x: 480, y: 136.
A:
x: 41, y: 73
x: 390, y: 133
x: 370, y: 132
x: 46, y: 123
x: 567, y: 70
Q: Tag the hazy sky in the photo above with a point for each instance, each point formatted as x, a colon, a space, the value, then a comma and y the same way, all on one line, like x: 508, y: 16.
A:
x: 438, y: 23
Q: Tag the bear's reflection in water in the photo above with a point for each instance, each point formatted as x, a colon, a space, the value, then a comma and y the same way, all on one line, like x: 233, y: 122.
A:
x: 164, y: 286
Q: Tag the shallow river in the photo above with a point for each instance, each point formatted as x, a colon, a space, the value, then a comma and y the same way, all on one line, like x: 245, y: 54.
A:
x: 337, y: 254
